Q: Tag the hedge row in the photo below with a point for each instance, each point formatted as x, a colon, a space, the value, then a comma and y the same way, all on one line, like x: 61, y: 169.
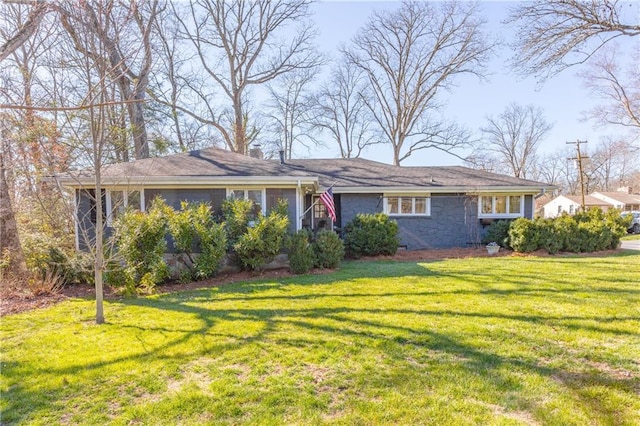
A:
x: 141, y: 241
x: 584, y: 232
x: 202, y: 241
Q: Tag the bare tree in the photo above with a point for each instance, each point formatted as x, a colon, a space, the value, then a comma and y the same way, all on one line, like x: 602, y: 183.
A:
x: 18, y: 52
x: 170, y: 82
x: 411, y: 55
x: 619, y: 88
x: 612, y: 164
x: 240, y: 46
x: 88, y: 109
x: 513, y: 137
x: 341, y: 112
x: 290, y: 111
x: 482, y: 160
x: 9, y: 237
x: 125, y: 29
x: 556, y: 34
x: 555, y: 168
x: 25, y: 29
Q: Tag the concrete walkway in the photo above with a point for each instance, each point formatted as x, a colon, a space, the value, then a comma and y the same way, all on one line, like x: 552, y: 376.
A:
x: 631, y: 244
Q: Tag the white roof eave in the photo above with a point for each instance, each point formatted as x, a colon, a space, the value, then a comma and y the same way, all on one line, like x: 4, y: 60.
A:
x: 188, y: 181
x: 441, y: 189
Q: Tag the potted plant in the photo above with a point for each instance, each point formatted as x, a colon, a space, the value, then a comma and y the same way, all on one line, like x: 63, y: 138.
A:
x: 493, y: 248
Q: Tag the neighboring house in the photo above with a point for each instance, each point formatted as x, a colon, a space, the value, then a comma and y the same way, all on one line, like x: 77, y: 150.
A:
x: 571, y: 204
x: 435, y: 207
x: 541, y: 201
x: 621, y: 200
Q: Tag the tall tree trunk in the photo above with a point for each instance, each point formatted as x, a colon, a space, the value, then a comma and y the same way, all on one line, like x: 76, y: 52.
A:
x: 240, y: 131
x: 9, y: 238
x: 136, y: 116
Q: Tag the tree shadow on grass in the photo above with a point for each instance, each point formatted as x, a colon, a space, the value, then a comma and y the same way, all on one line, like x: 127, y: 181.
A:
x: 364, y: 324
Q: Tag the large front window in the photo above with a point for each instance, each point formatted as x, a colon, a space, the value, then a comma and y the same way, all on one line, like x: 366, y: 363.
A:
x: 255, y: 195
x: 407, y: 205
x: 120, y: 200
x: 501, y: 205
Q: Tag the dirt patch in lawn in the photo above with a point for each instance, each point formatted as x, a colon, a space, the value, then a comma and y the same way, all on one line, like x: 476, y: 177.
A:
x: 16, y: 297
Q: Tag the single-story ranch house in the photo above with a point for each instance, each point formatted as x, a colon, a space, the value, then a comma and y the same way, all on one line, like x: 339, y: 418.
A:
x: 435, y: 207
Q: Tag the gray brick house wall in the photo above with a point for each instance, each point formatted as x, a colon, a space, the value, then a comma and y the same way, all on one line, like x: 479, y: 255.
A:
x: 453, y: 221
x: 352, y: 204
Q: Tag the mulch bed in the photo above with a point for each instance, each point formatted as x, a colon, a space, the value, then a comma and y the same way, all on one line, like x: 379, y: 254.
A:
x: 15, y: 298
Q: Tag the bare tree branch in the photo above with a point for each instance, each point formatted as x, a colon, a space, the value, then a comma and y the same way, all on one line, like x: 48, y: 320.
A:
x: 290, y: 111
x: 341, y: 113
x: 69, y: 108
x: 514, y: 136
x: 619, y: 88
x: 556, y: 34
x: 238, y: 45
x: 409, y: 57
x: 30, y: 26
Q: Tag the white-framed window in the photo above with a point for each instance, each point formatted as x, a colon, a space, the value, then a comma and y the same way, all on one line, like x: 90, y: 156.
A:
x: 501, y: 206
x: 120, y: 200
x: 407, y: 205
x: 258, y: 196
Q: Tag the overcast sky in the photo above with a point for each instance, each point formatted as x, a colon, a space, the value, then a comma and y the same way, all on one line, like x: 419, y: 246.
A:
x: 563, y: 97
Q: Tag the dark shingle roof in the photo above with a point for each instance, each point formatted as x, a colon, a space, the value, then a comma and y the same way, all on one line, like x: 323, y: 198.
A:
x: 342, y: 173
x: 359, y: 172
x: 203, y: 162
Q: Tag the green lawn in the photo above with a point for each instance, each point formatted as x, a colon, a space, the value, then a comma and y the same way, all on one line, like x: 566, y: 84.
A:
x: 506, y: 340
x: 631, y: 237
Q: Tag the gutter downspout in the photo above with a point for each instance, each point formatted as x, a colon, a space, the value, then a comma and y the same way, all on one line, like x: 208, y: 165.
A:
x: 298, y: 206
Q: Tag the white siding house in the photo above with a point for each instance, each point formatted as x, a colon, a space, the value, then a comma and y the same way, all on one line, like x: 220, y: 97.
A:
x: 621, y: 200
x: 571, y: 204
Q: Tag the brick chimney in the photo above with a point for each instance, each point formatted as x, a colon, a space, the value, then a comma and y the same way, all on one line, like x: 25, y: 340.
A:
x: 256, y: 152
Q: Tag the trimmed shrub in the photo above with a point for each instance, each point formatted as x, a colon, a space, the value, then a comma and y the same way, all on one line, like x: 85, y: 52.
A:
x: 236, y: 213
x: 329, y: 250
x: 523, y: 235
x: 140, y: 240
x: 194, y: 231
x: 618, y: 225
x: 548, y: 235
x: 587, y: 231
x: 499, y: 232
x: 565, y: 228
x: 301, y: 252
x: 261, y: 243
x: 371, y: 235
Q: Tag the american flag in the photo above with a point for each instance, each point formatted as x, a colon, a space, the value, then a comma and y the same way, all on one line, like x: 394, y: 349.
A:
x: 327, y: 200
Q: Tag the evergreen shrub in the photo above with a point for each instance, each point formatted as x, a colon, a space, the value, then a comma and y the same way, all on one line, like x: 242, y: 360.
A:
x: 302, y: 256
x: 371, y: 235
x: 329, y: 250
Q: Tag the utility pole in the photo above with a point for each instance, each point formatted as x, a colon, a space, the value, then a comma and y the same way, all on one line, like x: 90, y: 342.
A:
x: 579, y: 159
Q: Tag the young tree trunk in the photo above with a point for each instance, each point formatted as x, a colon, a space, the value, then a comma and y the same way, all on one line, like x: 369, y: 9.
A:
x: 99, y: 259
x: 9, y: 238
